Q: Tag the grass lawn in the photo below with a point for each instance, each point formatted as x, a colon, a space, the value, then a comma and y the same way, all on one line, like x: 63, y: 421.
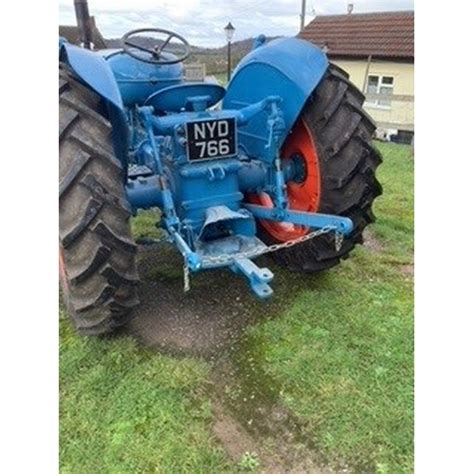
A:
x: 343, y: 354
x: 124, y: 410
x: 338, y: 357
x: 221, y: 77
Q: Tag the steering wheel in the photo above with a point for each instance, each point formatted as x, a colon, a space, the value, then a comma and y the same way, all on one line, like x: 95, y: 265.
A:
x: 130, y: 47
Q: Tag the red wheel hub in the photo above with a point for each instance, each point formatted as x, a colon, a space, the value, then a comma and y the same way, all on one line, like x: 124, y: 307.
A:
x: 303, y: 194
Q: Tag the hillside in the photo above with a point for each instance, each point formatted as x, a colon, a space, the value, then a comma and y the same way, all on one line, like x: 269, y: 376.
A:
x: 215, y: 59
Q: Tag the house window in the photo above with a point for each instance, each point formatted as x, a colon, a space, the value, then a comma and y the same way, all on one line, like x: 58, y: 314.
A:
x: 383, y: 86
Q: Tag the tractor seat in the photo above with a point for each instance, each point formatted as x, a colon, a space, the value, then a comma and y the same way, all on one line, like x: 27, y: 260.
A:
x: 186, y: 97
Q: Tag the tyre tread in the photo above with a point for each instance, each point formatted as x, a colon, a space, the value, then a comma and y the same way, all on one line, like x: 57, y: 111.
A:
x: 348, y: 161
x: 95, y: 236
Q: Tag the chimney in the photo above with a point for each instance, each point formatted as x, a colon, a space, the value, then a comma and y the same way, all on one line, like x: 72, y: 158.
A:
x: 350, y: 8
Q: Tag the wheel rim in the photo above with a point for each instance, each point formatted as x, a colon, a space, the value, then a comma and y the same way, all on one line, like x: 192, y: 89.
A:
x: 303, y: 194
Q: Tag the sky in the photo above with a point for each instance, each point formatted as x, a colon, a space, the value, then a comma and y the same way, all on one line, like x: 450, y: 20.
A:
x: 202, y: 22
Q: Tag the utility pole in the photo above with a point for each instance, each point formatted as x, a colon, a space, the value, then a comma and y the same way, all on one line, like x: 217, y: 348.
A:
x: 83, y: 22
x: 303, y: 14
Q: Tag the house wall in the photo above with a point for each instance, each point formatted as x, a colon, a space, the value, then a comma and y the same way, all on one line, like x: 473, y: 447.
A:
x: 400, y: 113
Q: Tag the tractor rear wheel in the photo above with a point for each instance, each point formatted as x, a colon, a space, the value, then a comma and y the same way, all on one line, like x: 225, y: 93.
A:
x: 97, y: 267
x: 331, y: 143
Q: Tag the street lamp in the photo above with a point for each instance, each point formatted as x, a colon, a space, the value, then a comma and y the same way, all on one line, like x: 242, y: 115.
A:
x: 229, y: 33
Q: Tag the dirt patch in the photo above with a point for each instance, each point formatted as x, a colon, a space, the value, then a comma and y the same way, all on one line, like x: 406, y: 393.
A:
x: 273, y: 456
x: 235, y: 440
x: 212, y: 315
x: 250, y: 399
x: 203, y: 321
x: 372, y: 243
x: 408, y: 270
x: 211, y: 321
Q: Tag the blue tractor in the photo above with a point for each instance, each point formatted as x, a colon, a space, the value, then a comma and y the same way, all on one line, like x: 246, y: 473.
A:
x: 278, y: 162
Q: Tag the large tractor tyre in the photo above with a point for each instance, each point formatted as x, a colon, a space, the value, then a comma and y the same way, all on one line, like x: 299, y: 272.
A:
x: 331, y: 146
x: 97, y: 265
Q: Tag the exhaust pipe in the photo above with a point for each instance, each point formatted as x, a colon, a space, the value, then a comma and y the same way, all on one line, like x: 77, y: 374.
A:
x: 84, y: 22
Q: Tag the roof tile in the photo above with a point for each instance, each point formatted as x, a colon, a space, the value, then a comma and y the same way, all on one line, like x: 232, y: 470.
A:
x: 383, y: 34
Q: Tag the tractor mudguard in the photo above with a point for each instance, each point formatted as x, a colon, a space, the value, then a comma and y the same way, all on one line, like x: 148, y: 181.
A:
x: 288, y: 67
x: 93, y: 70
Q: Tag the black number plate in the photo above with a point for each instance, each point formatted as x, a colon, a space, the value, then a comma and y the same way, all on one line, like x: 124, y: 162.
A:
x: 211, y: 139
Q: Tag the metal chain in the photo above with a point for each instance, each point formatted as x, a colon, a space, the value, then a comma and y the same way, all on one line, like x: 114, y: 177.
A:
x: 221, y: 259
x: 338, y: 241
x: 187, y: 282
x: 224, y: 258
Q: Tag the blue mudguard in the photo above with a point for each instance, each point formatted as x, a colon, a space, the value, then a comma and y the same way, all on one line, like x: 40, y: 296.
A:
x: 93, y: 70
x: 290, y: 68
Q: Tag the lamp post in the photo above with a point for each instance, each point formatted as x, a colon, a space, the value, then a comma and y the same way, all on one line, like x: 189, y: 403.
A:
x: 229, y: 33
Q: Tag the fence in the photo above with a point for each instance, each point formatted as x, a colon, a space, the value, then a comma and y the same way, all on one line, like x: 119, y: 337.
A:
x: 195, y: 72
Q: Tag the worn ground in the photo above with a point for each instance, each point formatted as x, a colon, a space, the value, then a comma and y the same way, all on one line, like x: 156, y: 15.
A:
x: 317, y: 380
